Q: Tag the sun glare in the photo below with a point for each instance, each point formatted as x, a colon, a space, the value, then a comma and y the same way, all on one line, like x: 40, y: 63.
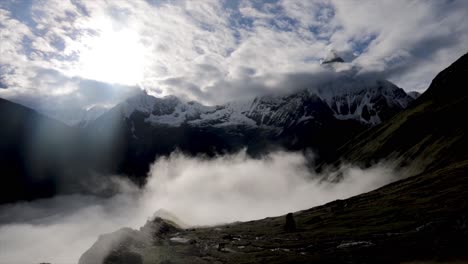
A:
x: 114, y: 57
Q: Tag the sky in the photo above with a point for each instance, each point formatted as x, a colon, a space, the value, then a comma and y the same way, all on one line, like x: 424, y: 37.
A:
x: 69, y: 55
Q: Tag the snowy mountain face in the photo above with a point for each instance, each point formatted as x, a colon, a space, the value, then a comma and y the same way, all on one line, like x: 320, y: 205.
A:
x: 321, y: 117
x: 368, y: 102
x: 343, y: 95
x: 88, y: 116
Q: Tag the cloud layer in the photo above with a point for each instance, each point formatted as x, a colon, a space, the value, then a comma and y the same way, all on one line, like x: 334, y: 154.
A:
x: 57, y: 53
x: 197, y: 191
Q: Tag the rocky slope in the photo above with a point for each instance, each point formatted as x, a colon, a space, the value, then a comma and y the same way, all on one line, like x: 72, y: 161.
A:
x: 429, y: 134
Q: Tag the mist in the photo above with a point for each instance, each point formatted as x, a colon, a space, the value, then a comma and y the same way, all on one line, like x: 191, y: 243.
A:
x: 196, y: 190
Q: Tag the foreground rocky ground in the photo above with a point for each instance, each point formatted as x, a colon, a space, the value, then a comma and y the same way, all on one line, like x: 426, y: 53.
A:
x: 403, y: 221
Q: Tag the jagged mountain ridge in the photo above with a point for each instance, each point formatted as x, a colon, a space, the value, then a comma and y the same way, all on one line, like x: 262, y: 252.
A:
x: 145, y: 127
x: 368, y: 102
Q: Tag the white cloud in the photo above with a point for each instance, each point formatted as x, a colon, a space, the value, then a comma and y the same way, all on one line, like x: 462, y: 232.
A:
x: 238, y: 188
x: 210, y: 45
x: 413, y: 40
x: 197, y: 191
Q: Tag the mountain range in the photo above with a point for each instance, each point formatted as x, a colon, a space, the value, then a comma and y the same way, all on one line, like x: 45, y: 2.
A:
x: 127, y: 138
x: 422, y: 218
x: 305, y: 119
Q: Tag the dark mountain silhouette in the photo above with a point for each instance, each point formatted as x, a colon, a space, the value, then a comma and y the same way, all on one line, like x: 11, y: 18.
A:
x: 35, y: 153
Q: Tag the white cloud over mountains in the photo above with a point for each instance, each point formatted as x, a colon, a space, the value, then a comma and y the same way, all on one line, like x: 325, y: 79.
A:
x: 195, y: 190
x: 54, y: 53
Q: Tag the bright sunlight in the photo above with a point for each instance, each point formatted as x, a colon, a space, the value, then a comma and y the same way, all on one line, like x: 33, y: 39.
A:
x: 115, y: 56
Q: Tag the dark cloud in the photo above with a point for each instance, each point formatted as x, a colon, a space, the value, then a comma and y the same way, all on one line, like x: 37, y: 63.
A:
x: 3, y: 85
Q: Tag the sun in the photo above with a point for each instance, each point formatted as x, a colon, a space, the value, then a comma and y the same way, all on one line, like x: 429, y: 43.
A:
x: 114, y: 56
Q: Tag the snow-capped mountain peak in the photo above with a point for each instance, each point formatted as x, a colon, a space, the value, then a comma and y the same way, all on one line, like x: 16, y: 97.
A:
x: 343, y: 97
x: 141, y: 102
x: 365, y: 100
x: 332, y: 57
x: 90, y: 115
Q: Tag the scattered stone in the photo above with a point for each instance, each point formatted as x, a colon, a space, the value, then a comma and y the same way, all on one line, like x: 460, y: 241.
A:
x: 125, y: 257
x: 220, y: 246
x: 355, y: 244
x: 229, y: 250
x: 290, y: 225
x: 159, y: 227
x: 227, y: 237
x: 109, y: 246
x: 280, y: 249
x: 181, y: 240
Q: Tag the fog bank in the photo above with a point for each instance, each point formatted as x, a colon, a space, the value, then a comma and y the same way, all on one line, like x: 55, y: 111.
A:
x: 196, y: 190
